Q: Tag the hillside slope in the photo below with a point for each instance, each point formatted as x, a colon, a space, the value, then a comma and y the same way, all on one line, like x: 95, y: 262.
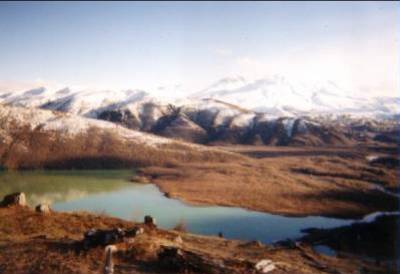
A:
x: 31, y: 138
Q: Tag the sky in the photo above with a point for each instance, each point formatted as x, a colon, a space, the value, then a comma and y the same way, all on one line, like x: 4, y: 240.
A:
x: 146, y: 45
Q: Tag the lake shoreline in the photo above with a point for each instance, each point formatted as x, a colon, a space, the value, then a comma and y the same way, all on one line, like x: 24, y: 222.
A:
x: 109, y: 192
x: 26, y: 236
x: 332, y: 185
x: 291, y: 181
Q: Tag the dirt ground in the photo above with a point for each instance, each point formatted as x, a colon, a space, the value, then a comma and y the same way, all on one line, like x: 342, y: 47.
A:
x: 31, y: 242
x: 294, y: 181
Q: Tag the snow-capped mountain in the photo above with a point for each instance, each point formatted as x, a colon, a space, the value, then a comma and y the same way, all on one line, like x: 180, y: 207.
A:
x: 233, y: 110
x: 80, y: 102
x: 278, y: 96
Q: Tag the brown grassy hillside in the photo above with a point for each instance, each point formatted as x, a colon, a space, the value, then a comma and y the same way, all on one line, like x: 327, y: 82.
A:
x: 35, y: 243
x: 95, y: 148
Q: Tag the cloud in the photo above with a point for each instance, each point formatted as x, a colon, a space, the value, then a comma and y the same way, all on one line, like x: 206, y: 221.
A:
x: 368, y: 70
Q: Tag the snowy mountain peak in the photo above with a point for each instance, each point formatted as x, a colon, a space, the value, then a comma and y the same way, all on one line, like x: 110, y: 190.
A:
x: 274, y: 95
x: 279, y: 96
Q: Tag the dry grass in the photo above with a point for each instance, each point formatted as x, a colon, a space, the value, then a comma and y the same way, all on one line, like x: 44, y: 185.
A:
x: 341, y: 184
x: 35, y: 243
x: 95, y: 149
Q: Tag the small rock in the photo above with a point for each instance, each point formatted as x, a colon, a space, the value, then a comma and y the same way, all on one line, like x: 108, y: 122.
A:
x: 150, y: 221
x: 17, y: 198
x: 265, y: 266
x: 43, y: 208
x: 133, y: 232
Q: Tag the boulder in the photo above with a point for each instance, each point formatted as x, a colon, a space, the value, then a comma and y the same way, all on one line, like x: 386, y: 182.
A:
x: 98, y: 237
x: 18, y: 199
x: 149, y: 221
x: 43, y: 208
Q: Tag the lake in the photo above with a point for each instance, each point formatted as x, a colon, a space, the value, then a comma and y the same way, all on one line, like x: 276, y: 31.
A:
x: 110, y: 192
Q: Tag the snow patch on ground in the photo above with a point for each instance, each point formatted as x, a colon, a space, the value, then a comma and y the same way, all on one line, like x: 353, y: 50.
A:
x: 302, y: 126
x: 371, y: 158
x: 288, y: 124
x: 243, y: 120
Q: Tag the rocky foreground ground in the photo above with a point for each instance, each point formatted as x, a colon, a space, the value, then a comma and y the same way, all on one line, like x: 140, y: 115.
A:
x: 38, y: 241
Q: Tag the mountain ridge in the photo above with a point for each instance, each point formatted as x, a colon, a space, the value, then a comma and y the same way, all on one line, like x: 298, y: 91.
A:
x: 227, y: 112
x: 276, y: 96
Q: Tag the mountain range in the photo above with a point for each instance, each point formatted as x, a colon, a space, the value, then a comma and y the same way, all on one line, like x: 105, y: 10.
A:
x: 272, y: 111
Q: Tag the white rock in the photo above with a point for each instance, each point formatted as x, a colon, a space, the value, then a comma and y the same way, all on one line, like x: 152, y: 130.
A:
x: 265, y: 266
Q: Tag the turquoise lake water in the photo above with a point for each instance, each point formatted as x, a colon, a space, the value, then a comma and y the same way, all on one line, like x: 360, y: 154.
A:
x: 110, y: 192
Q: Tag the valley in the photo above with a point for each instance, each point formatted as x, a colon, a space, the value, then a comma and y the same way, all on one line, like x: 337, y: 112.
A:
x: 173, y: 137
x: 206, y: 164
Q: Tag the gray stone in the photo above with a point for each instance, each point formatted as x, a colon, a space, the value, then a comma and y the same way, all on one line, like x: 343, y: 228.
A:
x: 150, y: 221
x: 18, y: 199
x: 43, y: 208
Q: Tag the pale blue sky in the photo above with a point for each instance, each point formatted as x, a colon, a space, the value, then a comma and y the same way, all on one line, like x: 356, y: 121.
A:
x: 145, y: 45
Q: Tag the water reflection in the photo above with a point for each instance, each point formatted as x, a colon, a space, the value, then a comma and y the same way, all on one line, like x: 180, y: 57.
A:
x: 111, y: 193
x: 61, y: 186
